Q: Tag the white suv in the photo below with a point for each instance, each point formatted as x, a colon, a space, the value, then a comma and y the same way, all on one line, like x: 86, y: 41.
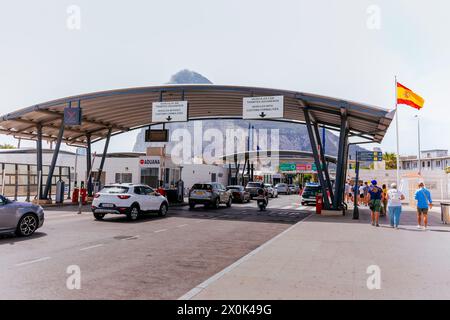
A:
x: 129, y: 199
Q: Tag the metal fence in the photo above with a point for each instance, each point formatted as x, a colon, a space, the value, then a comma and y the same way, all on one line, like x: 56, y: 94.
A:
x: 21, y: 180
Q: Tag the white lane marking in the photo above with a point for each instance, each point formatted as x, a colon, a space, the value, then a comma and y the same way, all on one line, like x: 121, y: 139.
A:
x: 287, y: 207
x: 132, y: 237
x: 161, y: 230
x: 195, y: 291
x: 92, y: 247
x: 32, y: 261
x: 182, y: 225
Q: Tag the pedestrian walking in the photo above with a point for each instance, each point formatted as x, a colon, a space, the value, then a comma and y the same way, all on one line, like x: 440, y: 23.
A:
x: 366, y: 192
x: 394, y: 199
x: 348, y: 189
x: 361, y: 194
x: 384, y: 201
x: 424, y: 202
x: 374, y: 197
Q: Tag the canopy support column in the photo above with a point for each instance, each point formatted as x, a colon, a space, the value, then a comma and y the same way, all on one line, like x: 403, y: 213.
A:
x: 39, y: 160
x: 88, y: 166
x: 313, y: 141
x: 54, y: 159
x: 321, y: 150
x: 341, y: 162
x: 105, y: 150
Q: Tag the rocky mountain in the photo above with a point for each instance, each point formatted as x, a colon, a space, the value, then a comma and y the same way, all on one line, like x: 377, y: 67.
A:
x: 292, y: 136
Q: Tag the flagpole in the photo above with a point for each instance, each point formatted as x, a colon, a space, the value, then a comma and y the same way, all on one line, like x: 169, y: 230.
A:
x: 396, y: 126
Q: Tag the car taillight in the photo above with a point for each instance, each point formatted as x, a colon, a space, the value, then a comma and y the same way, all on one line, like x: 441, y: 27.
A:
x: 123, y: 196
x: 97, y: 195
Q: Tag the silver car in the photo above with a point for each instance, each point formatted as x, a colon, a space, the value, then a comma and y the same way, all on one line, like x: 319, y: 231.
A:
x: 283, y: 188
x: 22, y: 218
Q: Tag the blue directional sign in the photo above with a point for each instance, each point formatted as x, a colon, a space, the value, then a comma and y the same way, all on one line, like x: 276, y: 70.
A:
x: 370, y: 156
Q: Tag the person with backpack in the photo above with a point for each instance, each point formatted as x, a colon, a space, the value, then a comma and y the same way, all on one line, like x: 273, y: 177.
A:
x: 424, y: 202
x: 374, y: 197
x: 394, y: 198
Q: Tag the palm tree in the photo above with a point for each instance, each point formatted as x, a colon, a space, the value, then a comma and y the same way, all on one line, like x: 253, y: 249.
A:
x: 390, y: 159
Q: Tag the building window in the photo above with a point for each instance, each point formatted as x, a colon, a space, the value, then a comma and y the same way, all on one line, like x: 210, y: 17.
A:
x: 124, y: 177
x: 438, y: 163
x: 428, y: 164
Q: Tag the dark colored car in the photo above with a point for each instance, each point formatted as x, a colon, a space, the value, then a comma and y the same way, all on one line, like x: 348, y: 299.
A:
x: 310, y: 192
x: 239, y: 193
x: 209, y: 194
x: 252, y: 188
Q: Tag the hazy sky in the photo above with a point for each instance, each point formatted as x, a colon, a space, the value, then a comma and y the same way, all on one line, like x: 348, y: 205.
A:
x: 348, y: 49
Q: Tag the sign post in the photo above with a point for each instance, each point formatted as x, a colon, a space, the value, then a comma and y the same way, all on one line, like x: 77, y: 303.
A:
x: 369, y: 156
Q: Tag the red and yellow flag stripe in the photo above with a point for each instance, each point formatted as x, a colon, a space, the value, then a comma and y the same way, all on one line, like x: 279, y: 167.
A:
x: 409, y: 97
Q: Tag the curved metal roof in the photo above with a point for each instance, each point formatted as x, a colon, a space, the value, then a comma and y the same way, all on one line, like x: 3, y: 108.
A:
x: 127, y: 109
x: 282, y: 155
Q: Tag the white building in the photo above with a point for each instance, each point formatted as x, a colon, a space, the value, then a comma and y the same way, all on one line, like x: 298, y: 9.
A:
x: 430, y: 160
x: 18, y: 166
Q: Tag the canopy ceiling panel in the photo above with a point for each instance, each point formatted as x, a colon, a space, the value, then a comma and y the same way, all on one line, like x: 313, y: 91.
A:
x: 127, y: 109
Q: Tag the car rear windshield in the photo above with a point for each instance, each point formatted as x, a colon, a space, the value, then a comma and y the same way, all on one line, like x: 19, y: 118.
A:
x: 312, y: 189
x: 114, y: 189
x: 253, y: 184
x: 234, y: 188
x: 202, y: 186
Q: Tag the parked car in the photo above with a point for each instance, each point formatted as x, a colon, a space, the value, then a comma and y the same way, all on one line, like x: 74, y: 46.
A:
x: 294, y: 188
x: 239, y: 193
x: 253, y: 187
x: 21, y: 218
x: 282, y: 188
x: 273, y: 192
x: 209, y: 194
x: 129, y: 199
x: 309, y: 193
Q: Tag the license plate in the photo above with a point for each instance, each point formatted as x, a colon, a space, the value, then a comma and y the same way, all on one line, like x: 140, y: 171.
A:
x: 103, y: 211
x: 107, y: 205
x: 200, y: 193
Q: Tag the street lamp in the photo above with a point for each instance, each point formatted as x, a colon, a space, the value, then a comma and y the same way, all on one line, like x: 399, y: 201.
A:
x: 418, y: 142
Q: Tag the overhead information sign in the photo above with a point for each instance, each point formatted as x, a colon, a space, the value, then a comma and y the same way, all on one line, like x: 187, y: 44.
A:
x: 268, y: 107
x: 169, y: 111
x: 370, y: 156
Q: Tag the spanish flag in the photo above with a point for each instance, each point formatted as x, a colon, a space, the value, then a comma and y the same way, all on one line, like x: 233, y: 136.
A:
x: 407, y: 96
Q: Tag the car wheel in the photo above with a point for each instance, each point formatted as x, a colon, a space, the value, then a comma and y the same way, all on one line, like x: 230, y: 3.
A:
x: 99, y: 216
x: 27, y: 225
x: 163, y: 210
x: 229, y: 202
x: 133, y: 214
x: 191, y: 205
x: 217, y: 203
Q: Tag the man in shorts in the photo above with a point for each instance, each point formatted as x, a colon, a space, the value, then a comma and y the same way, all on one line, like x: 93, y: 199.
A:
x: 374, y: 197
x: 424, y: 202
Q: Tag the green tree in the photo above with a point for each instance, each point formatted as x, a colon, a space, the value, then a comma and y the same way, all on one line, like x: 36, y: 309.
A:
x: 6, y: 146
x: 390, y: 159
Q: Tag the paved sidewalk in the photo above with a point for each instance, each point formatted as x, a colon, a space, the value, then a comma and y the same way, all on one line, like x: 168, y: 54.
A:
x: 327, y: 258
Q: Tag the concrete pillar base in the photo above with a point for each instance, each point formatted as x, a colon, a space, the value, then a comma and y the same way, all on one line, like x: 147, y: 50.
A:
x: 42, y: 201
x: 331, y: 213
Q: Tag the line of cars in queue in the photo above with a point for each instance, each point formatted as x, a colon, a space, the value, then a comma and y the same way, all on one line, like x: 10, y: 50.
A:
x: 213, y: 194
x: 132, y: 200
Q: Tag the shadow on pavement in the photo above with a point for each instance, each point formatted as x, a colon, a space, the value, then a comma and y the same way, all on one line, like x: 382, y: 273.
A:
x: 12, y: 239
